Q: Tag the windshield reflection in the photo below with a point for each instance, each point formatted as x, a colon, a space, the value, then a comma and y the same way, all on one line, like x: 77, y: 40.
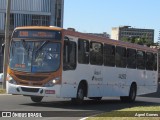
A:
x: 34, y: 56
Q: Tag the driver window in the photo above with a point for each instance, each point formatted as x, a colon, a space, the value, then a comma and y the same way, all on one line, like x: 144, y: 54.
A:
x: 69, y: 55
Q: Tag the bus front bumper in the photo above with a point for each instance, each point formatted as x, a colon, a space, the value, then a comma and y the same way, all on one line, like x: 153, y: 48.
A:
x: 33, y: 91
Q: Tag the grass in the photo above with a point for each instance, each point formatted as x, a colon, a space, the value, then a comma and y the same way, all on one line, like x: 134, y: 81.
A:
x: 2, y: 91
x: 135, y: 113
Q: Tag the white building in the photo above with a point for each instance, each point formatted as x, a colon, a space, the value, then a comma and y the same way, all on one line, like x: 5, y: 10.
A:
x: 118, y: 33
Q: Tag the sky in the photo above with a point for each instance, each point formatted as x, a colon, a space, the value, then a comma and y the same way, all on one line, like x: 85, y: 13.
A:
x: 98, y: 16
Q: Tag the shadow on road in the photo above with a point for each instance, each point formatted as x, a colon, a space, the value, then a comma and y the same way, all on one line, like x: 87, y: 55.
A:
x: 91, y: 105
x: 103, y: 105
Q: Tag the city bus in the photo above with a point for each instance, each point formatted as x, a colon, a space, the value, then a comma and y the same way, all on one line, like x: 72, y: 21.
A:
x: 64, y: 63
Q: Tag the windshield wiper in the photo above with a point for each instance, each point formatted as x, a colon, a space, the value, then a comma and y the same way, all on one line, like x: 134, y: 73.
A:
x: 40, y: 48
x: 25, y: 46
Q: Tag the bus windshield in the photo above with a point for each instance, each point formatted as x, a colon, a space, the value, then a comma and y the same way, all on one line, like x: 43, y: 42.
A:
x: 34, y: 56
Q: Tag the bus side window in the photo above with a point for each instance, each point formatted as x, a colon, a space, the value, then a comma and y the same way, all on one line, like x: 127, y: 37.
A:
x: 109, y: 55
x: 155, y: 62
x: 140, y: 59
x: 131, y: 58
x: 83, y: 51
x: 120, y: 57
x: 149, y: 61
x: 69, y: 55
x: 96, y: 53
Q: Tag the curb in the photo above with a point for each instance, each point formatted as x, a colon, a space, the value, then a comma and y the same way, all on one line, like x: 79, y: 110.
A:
x: 5, y: 94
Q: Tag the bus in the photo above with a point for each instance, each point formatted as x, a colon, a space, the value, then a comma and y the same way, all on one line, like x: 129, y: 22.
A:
x: 64, y: 63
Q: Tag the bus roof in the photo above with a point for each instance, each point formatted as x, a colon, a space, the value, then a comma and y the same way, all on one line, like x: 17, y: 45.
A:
x: 109, y: 41
x: 40, y: 27
x: 92, y: 37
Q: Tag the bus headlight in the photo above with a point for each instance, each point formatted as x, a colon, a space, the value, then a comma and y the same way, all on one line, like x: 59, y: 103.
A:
x: 55, y: 80
x: 51, y: 83
x: 11, y: 80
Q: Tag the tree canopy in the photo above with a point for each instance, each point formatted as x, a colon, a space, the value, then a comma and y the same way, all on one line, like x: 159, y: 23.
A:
x: 138, y: 40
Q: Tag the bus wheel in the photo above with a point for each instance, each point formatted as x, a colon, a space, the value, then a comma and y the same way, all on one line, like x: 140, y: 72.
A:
x: 80, y: 95
x: 132, y: 94
x: 36, y: 98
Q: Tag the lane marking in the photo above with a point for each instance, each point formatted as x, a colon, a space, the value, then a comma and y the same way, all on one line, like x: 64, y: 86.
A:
x: 84, y: 118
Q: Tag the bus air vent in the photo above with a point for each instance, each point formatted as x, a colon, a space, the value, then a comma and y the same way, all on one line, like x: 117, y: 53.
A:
x: 29, y: 89
x: 31, y: 78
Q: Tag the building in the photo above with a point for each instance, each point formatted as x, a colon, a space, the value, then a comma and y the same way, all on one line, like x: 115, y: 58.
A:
x: 118, y: 33
x: 31, y: 13
x: 104, y: 34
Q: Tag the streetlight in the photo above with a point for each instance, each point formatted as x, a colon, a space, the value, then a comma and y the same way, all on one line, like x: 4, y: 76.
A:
x: 6, y: 49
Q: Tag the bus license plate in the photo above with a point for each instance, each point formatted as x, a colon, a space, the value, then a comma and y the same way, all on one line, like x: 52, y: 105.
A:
x: 50, y: 91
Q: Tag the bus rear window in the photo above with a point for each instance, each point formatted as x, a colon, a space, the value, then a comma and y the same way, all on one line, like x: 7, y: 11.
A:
x: 40, y: 34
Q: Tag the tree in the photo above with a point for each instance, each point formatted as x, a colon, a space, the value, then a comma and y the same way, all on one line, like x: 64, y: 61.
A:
x: 138, y: 40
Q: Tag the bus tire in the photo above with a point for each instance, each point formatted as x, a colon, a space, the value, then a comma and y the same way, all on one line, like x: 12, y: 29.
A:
x: 132, y: 94
x: 80, y: 95
x: 36, y: 98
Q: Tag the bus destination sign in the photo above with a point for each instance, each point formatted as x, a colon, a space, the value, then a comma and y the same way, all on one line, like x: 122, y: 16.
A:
x: 42, y: 34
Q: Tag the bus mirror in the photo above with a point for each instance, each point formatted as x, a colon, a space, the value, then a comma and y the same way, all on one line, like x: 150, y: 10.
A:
x: 2, y: 48
x: 66, y: 40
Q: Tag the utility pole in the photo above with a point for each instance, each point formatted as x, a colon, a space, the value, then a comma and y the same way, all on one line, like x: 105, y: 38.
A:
x: 6, y: 48
x: 159, y: 37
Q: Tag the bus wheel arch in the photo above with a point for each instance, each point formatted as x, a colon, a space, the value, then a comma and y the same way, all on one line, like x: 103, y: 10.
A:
x: 84, y: 84
x: 81, y: 92
x: 132, y: 94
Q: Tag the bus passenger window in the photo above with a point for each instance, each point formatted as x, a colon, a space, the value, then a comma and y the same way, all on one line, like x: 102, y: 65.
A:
x: 155, y: 62
x: 109, y: 55
x: 96, y: 53
x: 120, y: 57
x: 149, y: 61
x: 83, y: 51
x: 140, y: 59
x: 131, y: 58
x: 69, y: 55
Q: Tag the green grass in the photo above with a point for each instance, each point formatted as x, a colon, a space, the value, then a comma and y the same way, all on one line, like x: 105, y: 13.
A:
x: 130, y: 114
x: 124, y: 118
x: 2, y: 91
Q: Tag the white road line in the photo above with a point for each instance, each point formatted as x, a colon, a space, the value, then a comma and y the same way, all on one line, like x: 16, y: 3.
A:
x: 84, y: 118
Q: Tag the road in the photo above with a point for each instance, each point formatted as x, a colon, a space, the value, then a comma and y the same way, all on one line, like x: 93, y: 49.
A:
x: 69, y: 110
x: 63, y: 108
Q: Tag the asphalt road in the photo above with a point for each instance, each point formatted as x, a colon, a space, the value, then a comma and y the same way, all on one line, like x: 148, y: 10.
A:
x: 65, y: 109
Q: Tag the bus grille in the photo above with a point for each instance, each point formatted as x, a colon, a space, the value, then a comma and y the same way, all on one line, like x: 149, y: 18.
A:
x: 31, y: 78
x: 30, y: 89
